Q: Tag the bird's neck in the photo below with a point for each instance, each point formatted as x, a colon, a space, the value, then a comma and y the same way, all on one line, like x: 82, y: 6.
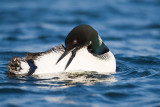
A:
x: 98, y: 49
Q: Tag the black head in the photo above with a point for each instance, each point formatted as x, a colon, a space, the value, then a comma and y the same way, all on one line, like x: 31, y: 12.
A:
x: 81, y: 36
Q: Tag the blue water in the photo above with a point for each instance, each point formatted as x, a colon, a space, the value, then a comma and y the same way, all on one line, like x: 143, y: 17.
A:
x: 130, y: 28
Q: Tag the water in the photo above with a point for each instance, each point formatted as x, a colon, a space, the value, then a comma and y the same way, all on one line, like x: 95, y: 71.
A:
x: 130, y: 28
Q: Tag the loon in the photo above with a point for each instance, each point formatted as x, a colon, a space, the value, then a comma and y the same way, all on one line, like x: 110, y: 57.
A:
x: 84, y: 50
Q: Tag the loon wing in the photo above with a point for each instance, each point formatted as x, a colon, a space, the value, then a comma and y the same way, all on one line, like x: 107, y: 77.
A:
x: 26, y: 65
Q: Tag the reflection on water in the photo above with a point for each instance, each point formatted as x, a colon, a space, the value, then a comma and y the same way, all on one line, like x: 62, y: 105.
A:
x: 65, y: 79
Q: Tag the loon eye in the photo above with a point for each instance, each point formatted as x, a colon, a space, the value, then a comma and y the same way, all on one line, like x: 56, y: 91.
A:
x: 75, y: 42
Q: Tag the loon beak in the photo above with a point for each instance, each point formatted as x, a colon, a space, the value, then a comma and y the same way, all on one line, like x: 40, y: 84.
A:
x: 71, y: 58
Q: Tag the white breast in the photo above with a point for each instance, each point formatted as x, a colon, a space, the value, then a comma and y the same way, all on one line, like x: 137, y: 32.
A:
x: 83, y: 61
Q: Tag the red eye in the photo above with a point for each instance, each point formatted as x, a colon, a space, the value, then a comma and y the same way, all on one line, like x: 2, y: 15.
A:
x: 75, y: 42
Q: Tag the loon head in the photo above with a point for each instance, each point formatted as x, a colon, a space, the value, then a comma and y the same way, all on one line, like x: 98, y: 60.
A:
x: 80, y: 37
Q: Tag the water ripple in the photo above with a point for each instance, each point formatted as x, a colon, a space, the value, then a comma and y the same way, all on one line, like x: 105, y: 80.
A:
x: 12, y: 90
x: 130, y: 28
x: 116, y: 95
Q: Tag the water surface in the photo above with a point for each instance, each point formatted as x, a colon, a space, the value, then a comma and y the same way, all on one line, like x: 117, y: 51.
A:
x: 130, y: 28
